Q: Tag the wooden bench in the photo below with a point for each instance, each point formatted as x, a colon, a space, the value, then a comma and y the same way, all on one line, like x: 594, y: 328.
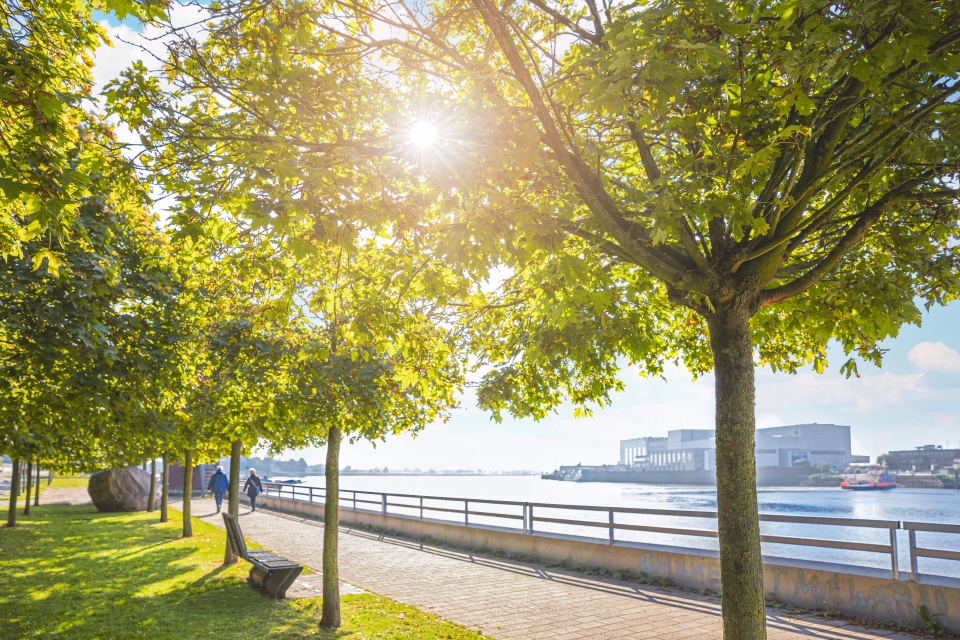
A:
x: 269, y: 572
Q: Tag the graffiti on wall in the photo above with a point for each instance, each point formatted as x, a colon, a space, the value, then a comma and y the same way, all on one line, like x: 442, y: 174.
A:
x: 688, y: 571
x: 860, y: 596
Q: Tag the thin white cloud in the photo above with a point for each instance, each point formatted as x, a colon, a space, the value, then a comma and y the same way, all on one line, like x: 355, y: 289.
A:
x: 149, y: 45
x: 935, y: 356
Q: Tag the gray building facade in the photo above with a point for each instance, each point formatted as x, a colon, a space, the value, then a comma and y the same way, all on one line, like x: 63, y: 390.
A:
x: 799, y: 445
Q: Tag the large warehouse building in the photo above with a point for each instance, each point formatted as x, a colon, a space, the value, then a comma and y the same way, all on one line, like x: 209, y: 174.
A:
x: 799, y: 445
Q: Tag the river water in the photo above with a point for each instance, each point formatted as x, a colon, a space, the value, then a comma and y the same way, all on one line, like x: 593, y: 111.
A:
x: 914, y: 505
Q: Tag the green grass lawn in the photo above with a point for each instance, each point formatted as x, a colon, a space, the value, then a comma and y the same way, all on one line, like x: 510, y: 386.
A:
x: 71, y: 572
x: 66, y: 481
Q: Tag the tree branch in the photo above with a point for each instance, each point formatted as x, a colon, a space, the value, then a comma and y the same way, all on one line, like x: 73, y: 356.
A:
x: 851, y: 238
x: 589, y: 186
x: 565, y: 21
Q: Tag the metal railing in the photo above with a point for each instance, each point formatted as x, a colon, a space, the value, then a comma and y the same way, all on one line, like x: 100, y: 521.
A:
x: 917, y: 552
x: 527, y: 514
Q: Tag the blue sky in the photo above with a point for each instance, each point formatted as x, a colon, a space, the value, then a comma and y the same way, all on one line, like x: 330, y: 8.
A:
x: 913, y: 399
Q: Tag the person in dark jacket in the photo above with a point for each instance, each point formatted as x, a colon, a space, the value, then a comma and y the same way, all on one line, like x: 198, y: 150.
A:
x: 219, y: 484
x: 253, y: 488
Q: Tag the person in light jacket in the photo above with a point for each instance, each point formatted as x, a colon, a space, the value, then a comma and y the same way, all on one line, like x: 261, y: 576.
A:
x: 253, y: 488
x: 219, y: 484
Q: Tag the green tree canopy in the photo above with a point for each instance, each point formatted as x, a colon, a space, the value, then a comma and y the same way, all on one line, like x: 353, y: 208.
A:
x: 743, y: 180
x: 681, y: 179
x: 84, y: 345
x: 46, y: 154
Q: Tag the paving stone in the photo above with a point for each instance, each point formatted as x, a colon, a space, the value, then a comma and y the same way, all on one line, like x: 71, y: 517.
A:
x: 513, y: 600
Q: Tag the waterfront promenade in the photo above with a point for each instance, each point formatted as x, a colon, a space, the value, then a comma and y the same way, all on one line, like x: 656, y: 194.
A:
x: 511, y: 600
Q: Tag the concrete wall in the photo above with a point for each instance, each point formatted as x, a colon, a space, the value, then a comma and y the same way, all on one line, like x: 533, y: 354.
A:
x: 858, y: 592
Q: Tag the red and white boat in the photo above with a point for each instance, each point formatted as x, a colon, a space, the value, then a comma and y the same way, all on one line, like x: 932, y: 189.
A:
x: 865, y: 476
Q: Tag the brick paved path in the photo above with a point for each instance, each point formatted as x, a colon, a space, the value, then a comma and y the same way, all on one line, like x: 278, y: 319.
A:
x: 511, y: 600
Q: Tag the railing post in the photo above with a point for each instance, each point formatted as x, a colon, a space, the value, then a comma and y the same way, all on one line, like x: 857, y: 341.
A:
x: 611, y: 526
x: 466, y: 512
x: 383, y: 501
x: 894, y: 559
x: 421, y: 507
x: 526, y: 508
x: 311, y: 495
x: 530, y: 518
x: 354, y: 500
x: 914, y: 564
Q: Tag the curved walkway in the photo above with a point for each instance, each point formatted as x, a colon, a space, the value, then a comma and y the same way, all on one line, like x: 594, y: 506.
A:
x: 512, y: 600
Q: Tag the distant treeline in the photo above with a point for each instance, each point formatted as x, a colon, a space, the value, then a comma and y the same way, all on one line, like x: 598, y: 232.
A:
x: 270, y: 466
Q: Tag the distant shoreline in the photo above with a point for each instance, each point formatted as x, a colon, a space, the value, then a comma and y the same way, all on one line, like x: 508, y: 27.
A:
x: 407, y: 473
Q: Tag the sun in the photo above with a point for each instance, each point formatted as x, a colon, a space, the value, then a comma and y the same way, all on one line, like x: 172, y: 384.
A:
x: 423, y: 134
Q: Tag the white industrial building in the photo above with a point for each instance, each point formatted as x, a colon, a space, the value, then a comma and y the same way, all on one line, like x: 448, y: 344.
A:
x: 799, y: 445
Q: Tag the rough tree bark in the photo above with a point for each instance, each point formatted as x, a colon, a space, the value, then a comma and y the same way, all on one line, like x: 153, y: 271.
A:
x: 741, y: 571
x: 153, y: 486
x: 36, y: 488
x: 14, y: 490
x: 187, y: 492
x: 164, y: 488
x: 233, y: 496
x: 26, y: 503
x: 331, y: 529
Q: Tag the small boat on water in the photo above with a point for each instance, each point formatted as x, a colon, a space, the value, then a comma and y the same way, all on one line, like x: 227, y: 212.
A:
x: 865, y: 476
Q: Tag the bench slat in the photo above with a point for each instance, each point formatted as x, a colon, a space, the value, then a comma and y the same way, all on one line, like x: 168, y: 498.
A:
x: 235, y: 536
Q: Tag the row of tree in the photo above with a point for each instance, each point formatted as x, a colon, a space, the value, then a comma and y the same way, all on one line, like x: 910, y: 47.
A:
x: 718, y: 184
x: 270, y: 465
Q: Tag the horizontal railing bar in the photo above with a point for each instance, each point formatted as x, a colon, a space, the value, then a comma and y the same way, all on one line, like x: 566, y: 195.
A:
x: 351, y: 496
x: 413, y: 495
x: 651, y: 512
x: 509, y: 516
x: 837, y: 522
x: 442, y: 509
x: 376, y: 502
x: 471, y: 512
x: 829, y: 544
x: 930, y: 526
x: 850, y: 522
x: 578, y: 523
x: 943, y: 554
x: 630, y: 527
x: 704, y: 533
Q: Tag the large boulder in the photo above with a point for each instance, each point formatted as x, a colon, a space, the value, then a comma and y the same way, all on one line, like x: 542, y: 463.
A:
x: 120, y: 489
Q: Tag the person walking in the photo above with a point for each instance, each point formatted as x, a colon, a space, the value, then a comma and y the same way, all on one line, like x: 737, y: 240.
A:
x: 253, y: 488
x: 219, y: 484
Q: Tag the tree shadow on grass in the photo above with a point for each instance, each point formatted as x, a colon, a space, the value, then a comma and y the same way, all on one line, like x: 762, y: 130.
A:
x: 77, y: 573
x: 74, y: 573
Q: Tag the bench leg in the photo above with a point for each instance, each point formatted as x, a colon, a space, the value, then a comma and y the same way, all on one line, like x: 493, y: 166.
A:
x: 275, y: 582
x: 279, y: 581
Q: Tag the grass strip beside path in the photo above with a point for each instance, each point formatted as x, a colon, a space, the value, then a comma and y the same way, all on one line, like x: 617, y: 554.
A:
x: 71, y: 572
x: 65, y: 482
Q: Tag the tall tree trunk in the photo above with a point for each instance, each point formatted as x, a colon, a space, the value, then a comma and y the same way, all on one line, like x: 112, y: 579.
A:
x: 331, y: 530
x: 144, y: 465
x: 36, y: 488
x: 26, y: 503
x: 50, y: 475
x: 14, y: 491
x: 741, y: 570
x: 233, y: 495
x: 165, y: 486
x: 187, y: 492
x: 152, y: 496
